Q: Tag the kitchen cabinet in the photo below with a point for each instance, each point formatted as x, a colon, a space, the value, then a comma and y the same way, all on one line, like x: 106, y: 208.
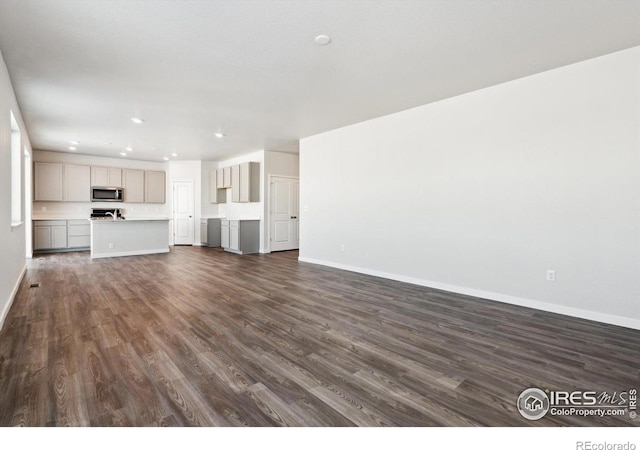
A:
x: 154, y: 191
x: 216, y: 194
x: 106, y: 176
x: 49, y: 234
x: 245, y: 182
x: 226, y: 177
x: 78, y: 233
x: 224, y: 234
x: 249, y: 182
x: 133, y: 184
x: 47, y: 182
x: 235, y: 183
x: 210, y: 232
x: 77, y: 183
x: 219, y: 178
x: 240, y: 236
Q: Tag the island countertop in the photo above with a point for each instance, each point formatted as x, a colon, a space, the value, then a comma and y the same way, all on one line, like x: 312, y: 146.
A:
x: 137, y: 236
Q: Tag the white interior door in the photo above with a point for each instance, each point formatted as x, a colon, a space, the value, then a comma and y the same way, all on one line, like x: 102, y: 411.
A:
x: 283, y: 212
x: 183, y: 210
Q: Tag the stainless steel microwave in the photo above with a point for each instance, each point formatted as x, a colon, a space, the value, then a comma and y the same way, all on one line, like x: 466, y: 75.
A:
x: 106, y: 194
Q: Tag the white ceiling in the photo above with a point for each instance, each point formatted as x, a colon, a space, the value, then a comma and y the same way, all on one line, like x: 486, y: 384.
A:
x: 251, y: 69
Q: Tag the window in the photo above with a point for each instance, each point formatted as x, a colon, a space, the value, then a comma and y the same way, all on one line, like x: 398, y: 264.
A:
x: 16, y: 174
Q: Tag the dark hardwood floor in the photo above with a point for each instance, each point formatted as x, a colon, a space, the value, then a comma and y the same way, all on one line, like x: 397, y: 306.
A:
x: 202, y: 337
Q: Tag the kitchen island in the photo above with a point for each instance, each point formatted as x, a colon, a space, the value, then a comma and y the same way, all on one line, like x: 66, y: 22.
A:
x: 129, y: 237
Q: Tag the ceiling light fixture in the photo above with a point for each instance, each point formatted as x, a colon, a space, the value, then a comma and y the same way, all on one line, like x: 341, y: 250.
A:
x: 137, y: 120
x: 322, y: 39
x: 174, y: 154
x: 129, y: 149
x: 74, y: 143
x: 218, y: 135
x: 166, y: 158
x: 123, y: 153
x: 73, y: 148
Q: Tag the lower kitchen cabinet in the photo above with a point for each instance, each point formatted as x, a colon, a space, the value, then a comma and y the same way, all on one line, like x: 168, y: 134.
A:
x: 61, y: 235
x: 78, y: 234
x: 49, y: 234
x: 210, y: 232
x: 240, y: 236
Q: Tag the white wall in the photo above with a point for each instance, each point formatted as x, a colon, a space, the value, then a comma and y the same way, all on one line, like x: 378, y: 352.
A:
x: 83, y: 209
x: 12, y: 239
x: 484, y: 192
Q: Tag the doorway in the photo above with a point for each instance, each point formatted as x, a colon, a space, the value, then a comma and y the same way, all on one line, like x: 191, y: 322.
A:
x: 183, y: 210
x: 284, y: 222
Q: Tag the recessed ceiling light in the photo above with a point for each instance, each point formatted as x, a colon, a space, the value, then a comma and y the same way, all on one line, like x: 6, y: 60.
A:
x: 322, y: 39
x: 123, y: 153
x: 174, y: 154
x: 218, y: 135
x: 166, y: 158
x: 129, y: 149
x: 72, y: 148
x: 74, y: 142
x: 137, y: 120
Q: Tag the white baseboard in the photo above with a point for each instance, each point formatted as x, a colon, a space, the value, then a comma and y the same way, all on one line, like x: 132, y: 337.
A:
x: 12, y: 297
x: 528, y: 303
x: 131, y: 253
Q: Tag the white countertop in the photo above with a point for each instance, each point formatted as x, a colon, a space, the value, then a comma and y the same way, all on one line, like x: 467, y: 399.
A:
x: 133, y: 219
x: 59, y: 218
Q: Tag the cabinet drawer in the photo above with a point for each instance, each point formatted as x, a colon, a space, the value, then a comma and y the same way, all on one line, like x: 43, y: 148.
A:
x: 79, y: 241
x: 224, y: 223
x: 234, y: 223
x: 79, y: 230
x: 49, y: 223
x: 78, y: 222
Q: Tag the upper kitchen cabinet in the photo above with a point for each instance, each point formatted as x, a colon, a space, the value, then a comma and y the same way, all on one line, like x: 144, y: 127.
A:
x: 133, y: 184
x: 154, y: 187
x: 216, y: 193
x: 47, y: 182
x: 245, y: 182
x: 77, y: 183
x: 226, y: 177
x: 106, y: 176
x: 235, y: 183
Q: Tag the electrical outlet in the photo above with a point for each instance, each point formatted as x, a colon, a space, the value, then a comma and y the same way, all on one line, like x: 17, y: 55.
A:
x: 341, y: 247
x: 551, y: 275
x: 44, y: 208
x: 112, y: 245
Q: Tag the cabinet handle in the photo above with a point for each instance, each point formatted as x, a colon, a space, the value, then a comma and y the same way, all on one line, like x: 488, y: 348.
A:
x: 294, y: 217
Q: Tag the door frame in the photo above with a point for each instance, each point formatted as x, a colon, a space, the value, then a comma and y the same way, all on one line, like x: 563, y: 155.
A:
x: 173, y: 209
x: 268, y: 203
